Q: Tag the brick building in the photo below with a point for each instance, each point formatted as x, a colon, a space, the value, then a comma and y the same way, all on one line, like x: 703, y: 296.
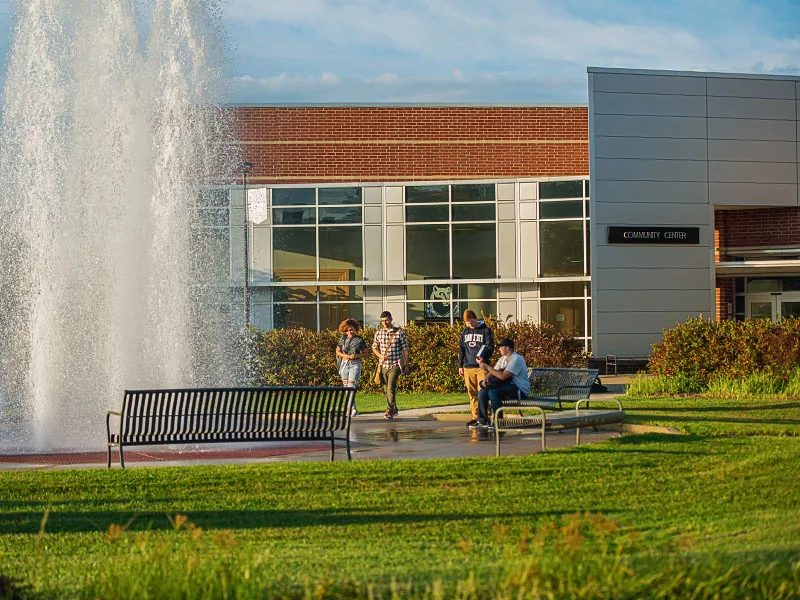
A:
x: 428, y: 210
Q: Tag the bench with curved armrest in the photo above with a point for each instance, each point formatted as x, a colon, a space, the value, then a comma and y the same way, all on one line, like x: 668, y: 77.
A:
x: 549, y: 388
x: 224, y: 415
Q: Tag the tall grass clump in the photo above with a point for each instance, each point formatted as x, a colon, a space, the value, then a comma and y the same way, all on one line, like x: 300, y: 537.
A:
x: 642, y: 385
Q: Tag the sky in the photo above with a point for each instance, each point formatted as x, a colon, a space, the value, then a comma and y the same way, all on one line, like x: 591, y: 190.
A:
x: 497, y: 51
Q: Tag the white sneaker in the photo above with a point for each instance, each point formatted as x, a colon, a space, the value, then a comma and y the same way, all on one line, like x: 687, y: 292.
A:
x: 353, y: 413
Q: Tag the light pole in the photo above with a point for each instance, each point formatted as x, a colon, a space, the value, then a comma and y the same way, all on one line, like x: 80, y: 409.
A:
x: 244, y: 167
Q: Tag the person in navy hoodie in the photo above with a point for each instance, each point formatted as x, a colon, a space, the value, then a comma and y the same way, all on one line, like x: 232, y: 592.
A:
x: 475, y: 335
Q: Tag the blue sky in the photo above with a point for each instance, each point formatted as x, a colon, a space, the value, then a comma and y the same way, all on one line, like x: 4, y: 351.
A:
x: 486, y: 51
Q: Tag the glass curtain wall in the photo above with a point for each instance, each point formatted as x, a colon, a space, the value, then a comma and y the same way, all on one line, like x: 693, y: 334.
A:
x: 451, y: 234
x: 317, y: 244
x: 564, y: 253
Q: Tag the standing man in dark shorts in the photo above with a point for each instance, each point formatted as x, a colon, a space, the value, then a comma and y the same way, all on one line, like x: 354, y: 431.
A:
x: 391, y: 348
x: 475, y: 335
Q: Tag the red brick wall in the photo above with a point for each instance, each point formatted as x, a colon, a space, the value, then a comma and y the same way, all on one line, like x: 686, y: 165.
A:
x: 319, y: 144
x: 758, y: 227
x: 725, y: 295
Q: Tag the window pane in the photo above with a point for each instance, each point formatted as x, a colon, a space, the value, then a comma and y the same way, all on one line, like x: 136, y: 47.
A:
x: 293, y: 216
x: 561, y: 210
x: 427, y: 252
x: 739, y: 304
x: 473, y: 192
x: 437, y: 302
x: 566, y: 315
x: 415, y: 311
x: 482, y: 308
x: 763, y: 285
x: 293, y: 196
x: 295, y: 254
x: 294, y: 315
x: 474, y: 212
x: 588, y: 204
x: 426, y: 193
x: 340, y: 215
x: 341, y: 254
x: 415, y: 292
x: 560, y: 189
x: 422, y: 214
x: 341, y: 292
x: 330, y: 315
x: 467, y: 291
x: 738, y: 285
x: 562, y: 289
x: 341, y: 195
x: 561, y: 248
x: 294, y: 294
x: 474, y: 254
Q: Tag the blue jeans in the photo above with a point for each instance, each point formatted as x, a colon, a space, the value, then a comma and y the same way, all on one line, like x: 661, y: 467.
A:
x: 350, y: 371
x: 496, y: 397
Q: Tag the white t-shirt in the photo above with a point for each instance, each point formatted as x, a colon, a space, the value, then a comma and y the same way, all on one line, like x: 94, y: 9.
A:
x: 516, y: 364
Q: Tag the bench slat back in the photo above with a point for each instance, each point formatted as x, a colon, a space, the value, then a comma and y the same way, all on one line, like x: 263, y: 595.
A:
x: 233, y: 413
x: 547, y: 382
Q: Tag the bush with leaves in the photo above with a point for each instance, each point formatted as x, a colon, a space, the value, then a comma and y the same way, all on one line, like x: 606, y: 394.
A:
x: 701, y: 349
x: 305, y: 357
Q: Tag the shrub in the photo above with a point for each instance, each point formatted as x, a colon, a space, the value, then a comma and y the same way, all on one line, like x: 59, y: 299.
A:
x: 305, y: 357
x: 703, y: 349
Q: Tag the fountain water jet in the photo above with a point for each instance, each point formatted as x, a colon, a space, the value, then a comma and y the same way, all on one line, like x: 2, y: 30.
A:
x: 111, y: 124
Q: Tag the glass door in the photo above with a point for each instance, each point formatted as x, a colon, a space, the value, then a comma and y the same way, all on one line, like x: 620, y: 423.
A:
x: 762, y: 306
x: 789, y: 305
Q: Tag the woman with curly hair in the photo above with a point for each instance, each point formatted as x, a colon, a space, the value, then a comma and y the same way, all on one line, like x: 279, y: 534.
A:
x: 349, y: 352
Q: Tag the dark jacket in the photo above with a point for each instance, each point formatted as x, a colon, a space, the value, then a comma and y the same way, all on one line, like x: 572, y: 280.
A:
x: 471, y: 342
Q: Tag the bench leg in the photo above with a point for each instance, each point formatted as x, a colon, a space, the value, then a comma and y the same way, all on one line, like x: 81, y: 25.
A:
x: 348, y: 448
x: 544, y: 434
x: 577, y: 436
x: 109, y: 456
x: 333, y: 447
x: 121, y: 457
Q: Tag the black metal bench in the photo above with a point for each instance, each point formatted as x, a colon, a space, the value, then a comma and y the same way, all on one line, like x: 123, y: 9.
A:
x: 219, y: 415
x: 549, y: 389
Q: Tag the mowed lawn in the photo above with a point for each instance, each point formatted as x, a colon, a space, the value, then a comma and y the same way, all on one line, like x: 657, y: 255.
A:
x: 714, y: 513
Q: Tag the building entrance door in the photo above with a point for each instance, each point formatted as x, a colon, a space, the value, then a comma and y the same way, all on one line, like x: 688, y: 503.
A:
x: 773, y: 306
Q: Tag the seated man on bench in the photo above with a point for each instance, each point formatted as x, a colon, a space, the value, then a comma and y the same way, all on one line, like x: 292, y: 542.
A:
x: 509, y: 378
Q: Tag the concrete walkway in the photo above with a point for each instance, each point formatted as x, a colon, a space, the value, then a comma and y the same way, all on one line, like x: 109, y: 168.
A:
x: 439, y: 432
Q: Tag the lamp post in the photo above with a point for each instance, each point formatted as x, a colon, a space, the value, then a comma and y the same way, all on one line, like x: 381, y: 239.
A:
x: 244, y: 167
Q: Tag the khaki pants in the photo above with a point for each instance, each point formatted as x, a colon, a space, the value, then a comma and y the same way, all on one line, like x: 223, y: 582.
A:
x: 473, y: 377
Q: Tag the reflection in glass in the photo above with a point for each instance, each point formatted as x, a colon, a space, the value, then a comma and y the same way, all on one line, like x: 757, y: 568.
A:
x: 293, y: 216
x: 761, y: 310
x: 755, y: 286
x: 560, y: 189
x: 426, y: 214
x: 415, y: 292
x: 427, y: 252
x: 561, y: 289
x: 293, y: 196
x: 477, y: 192
x: 566, y: 315
x: 474, y: 254
x: 426, y: 193
x: 294, y: 294
x: 330, y: 315
x: 294, y: 315
x: 341, y: 254
x: 561, y: 210
x: 295, y: 254
x: 466, y: 291
x: 561, y: 248
x: 332, y: 293
x: 340, y: 195
x: 340, y: 215
x: 474, y: 212
x: 415, y: 311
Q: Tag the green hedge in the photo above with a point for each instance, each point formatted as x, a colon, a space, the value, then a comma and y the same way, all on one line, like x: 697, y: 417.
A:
x: 305, y: 357
x: 700, y: 350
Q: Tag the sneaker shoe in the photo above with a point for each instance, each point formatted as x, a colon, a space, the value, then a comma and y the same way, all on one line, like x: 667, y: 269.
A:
x: 395, y: 412
x: 483, y: 425
x: 388, y: 415
x: 353, y: 413
x: 473, y: 424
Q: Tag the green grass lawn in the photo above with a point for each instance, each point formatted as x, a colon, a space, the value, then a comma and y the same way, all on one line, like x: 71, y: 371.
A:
x: 372, y: 403
x: 712, y: 514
